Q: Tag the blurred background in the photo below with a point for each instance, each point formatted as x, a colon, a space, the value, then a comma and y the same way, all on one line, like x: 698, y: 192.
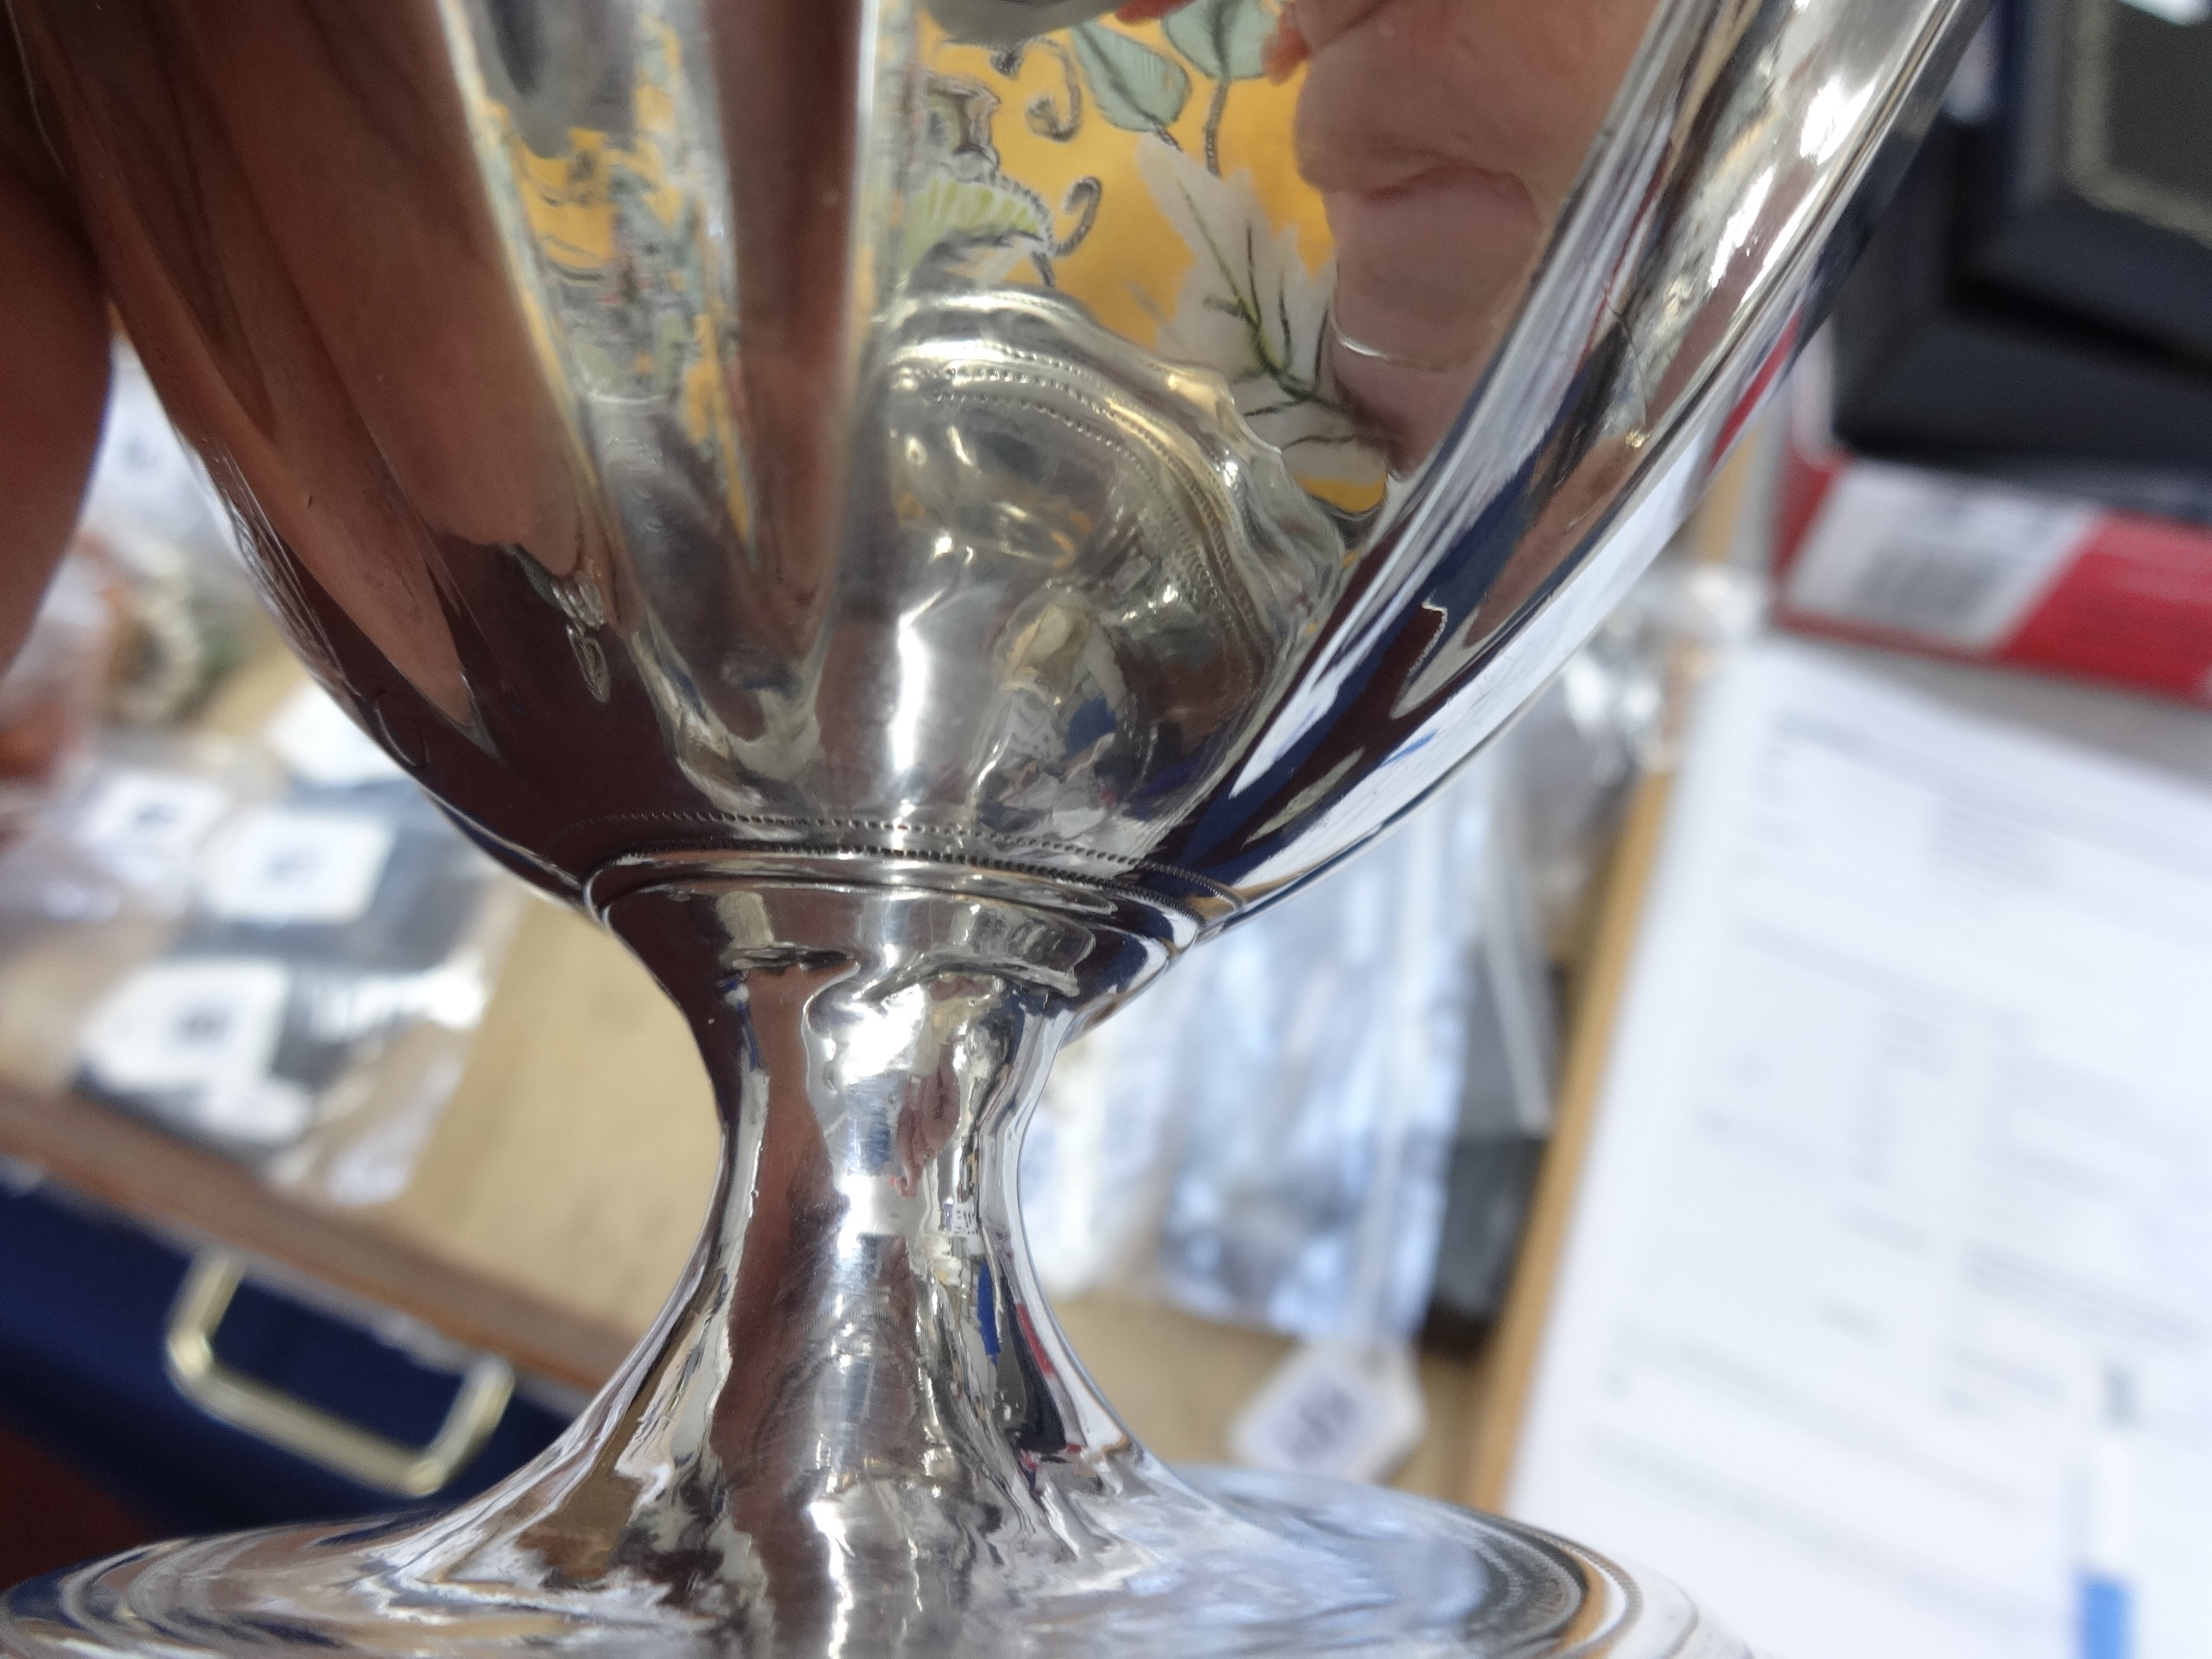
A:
x: 1756, y: 1122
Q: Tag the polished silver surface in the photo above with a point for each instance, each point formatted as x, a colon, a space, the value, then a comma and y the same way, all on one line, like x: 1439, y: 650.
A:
x: 913, y: 522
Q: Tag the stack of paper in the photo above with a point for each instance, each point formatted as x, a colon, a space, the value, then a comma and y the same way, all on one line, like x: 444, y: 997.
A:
x: 1902, y: 1175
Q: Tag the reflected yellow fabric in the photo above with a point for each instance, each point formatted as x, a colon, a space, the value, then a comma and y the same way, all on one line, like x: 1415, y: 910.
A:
x: 1026, y: 155
x: 1129, y: 268
x: 572, y: 205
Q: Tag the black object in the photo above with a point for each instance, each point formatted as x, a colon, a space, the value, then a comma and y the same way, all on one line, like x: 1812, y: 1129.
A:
x: 428, y: 894
x: 2100, y: 198
x: 1933, y: 363
x: 1490, y: 1185
x: 83, y: 1305
x: 1489, y: 1182
x: 1954, y: 341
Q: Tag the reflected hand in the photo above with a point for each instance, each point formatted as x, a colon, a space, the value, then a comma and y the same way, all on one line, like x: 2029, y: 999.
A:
x: 1444, y: 137
x: 53, y: 363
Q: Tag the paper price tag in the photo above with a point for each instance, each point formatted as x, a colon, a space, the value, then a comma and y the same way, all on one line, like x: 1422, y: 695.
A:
x: 314, y: 738
x: 1333, y: 1408
x: 275, y: 866
x: 199, y: 1036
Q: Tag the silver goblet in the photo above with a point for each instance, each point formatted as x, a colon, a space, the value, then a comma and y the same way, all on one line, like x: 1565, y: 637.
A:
x: 913, y: 514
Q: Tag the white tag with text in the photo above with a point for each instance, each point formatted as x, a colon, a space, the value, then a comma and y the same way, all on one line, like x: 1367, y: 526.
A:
x: 276, y: 867
x: 1339, y: 1409
x: 199, y: 1036
x: 147, y: 825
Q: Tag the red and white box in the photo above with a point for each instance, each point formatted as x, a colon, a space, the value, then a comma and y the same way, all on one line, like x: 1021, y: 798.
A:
x: 1979, y: 570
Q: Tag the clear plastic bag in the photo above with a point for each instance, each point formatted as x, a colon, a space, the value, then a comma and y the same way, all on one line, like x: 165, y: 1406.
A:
x: 283, y: 961
x: 1329, y: 1122
x: 1573, y: 757
x: 1266, y: 1138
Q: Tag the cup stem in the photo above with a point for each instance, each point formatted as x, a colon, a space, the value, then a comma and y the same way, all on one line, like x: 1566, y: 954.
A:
x: 858, y: 1381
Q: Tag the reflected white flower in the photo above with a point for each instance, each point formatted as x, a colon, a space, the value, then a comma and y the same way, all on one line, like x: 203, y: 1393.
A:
x: 1252, y: 312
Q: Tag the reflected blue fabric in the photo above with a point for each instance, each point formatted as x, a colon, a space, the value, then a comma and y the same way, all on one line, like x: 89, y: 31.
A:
x: 84, y: 1301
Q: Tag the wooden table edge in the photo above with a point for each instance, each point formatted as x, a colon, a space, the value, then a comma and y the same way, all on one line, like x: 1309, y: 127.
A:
x: 202, y: 1199
x: 1518, y: 1340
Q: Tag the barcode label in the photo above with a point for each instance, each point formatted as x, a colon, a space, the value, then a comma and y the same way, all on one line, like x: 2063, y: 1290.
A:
x: 1952, y: 560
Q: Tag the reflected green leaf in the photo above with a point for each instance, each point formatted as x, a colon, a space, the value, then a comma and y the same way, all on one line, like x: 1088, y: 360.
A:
x: 1133, y: 86
x: 1226, y: 39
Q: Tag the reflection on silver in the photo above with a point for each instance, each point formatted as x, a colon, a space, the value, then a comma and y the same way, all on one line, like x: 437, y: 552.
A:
x: 1078, y: 572
x: 647, y: 424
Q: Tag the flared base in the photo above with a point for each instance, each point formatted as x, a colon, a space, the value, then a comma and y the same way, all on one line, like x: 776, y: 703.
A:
x: 1272, y: 1566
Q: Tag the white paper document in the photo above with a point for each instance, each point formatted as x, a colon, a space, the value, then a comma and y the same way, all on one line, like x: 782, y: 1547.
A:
x: 1903, y: 1155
